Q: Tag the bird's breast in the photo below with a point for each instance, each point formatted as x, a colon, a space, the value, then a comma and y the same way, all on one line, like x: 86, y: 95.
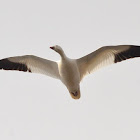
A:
x: 69, y: 74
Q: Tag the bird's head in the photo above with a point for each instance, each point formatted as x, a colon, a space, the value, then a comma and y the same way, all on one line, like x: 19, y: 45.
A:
x: 57, y: 48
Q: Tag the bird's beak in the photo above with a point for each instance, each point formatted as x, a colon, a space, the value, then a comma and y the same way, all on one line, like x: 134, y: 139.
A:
x: 52, y: 48
x: 76, y: 95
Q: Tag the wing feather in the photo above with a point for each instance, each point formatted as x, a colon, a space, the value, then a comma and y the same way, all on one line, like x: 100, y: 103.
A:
x: 31, y: 63
x: 105, y: 56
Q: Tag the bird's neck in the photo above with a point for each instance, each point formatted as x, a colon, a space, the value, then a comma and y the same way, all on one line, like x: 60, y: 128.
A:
x: 63, y: 55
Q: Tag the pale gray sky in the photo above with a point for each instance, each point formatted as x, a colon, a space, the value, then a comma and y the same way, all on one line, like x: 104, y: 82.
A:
x: 35, y: 107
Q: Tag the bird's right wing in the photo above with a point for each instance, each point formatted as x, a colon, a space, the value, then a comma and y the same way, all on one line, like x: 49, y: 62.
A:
x: 105, y: 56
x: 32, y: 64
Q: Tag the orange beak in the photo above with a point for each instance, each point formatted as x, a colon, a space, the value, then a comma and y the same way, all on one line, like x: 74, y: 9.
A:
x: 52, y: 48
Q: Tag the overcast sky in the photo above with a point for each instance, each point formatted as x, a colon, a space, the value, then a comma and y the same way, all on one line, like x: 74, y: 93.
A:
x: 35, y: 107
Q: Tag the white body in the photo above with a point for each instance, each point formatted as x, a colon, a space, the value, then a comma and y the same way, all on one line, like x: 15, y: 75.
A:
x: 69, y: 75
x: 71, y: 71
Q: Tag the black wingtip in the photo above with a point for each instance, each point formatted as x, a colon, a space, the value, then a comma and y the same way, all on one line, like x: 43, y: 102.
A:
x: 133, y: 51
x: 8, y: 65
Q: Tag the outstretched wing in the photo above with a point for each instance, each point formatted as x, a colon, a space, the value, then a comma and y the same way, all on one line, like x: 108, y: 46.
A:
x: 105, y: 56
x: 30, y: 63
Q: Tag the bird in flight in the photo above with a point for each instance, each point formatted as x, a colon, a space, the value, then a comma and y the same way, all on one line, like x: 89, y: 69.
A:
x: 71, y: 71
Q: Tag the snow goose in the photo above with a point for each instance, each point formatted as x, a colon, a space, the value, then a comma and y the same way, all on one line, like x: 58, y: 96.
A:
x: 71, y: 71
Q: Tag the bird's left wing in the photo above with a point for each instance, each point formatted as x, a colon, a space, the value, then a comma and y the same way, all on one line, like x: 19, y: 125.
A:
x: 105, y: 56
x: 31, y: 63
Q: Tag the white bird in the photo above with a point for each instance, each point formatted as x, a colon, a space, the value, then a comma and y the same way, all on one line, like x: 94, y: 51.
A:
x: 71, y: 71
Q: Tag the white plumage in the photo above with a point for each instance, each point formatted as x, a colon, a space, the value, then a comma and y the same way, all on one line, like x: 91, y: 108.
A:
x: 71, y: 71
